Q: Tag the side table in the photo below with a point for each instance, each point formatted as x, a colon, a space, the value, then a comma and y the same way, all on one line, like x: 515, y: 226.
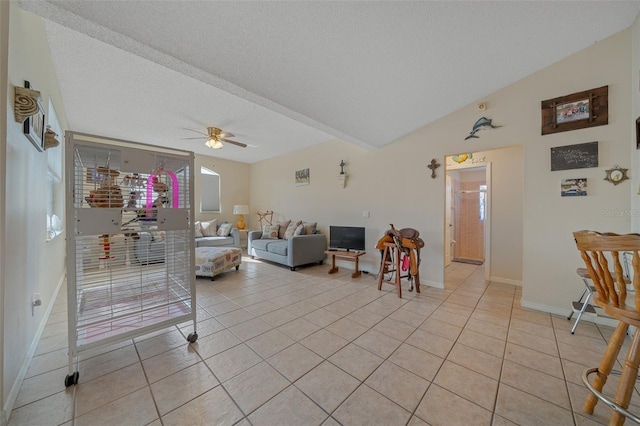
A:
x: 351, y: 256
x: 244, y: 233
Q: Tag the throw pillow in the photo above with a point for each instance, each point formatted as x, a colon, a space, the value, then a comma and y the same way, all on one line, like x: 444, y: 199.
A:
x: 282, y: 228
x: 224, y: 230
x: 197, y: 229
x: 270, y: 232
x: 291, y: 229
x: 299, y: 230
x: 209, y: 228
x: 309, y: 227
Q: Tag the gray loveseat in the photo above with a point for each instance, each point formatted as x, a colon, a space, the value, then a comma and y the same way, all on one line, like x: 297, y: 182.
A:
x: 292, y: 252
x: 149, y: 246
x: 233, y: 240
x: 208, y: 234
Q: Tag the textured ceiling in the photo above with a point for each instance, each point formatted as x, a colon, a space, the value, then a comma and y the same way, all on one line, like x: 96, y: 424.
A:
x: 286, y: 75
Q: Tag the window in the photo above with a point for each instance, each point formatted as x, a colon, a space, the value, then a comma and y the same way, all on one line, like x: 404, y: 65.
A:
x: 483, y: 201
x: 209, y: 191
x: 55, y: 187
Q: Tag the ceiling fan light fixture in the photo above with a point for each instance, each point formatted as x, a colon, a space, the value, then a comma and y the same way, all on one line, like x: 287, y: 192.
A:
x: 214, y: 143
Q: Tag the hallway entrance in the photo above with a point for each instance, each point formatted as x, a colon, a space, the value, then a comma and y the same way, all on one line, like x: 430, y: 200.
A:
x: 466, y: 215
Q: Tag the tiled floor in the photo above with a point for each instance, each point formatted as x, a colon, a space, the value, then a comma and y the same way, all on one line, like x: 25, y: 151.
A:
x: 278, y: 347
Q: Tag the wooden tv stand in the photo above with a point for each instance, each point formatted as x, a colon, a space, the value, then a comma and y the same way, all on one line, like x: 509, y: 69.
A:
x: 346, y: 255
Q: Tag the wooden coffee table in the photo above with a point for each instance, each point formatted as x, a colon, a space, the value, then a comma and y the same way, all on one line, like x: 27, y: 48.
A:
x: 352, y: 256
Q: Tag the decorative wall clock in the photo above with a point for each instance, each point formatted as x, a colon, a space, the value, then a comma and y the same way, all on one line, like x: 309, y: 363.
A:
x: 616, y: 174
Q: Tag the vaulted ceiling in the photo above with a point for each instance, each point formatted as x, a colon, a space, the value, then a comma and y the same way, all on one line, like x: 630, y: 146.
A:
x: 285, y: 75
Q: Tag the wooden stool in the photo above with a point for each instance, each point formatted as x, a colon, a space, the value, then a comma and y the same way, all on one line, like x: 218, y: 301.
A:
x: 391, y: 263
x: 601, y: 254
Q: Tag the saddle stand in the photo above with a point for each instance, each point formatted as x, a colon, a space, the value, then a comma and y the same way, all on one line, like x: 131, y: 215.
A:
x: 393, y: 243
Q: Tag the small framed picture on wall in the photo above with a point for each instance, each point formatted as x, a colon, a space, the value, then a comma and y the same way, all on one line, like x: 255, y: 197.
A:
x: 576, y: 187
x: 33, y: 127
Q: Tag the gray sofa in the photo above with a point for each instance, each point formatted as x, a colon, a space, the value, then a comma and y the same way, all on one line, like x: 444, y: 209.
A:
x: 293, y: 252
x: 233, y: 240
x: 148, y: 248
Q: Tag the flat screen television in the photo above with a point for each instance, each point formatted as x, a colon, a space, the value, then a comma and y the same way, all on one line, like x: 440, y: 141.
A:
x: 346, y: 238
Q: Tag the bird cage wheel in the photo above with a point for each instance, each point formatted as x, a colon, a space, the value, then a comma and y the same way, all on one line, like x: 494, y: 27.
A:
x: 192, y: 337
x: 71, y: 379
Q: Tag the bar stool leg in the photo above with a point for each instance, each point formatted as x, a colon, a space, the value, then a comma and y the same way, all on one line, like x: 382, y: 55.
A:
x: 383, y: 268
x: 627, y: 380
x: 610, y: 355
x: 398, y: 267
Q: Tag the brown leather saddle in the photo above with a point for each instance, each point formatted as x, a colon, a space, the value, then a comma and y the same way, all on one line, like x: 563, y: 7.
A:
x: 408, y: 241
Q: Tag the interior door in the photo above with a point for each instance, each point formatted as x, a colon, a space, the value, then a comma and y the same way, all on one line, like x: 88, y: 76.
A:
x: 448, y: 222
x: 470, y: 203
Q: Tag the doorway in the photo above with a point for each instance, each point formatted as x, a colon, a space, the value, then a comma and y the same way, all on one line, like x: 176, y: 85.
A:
x: 467, y: 215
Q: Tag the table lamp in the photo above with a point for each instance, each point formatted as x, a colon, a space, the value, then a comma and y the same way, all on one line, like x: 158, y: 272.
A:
x: 241, y: 210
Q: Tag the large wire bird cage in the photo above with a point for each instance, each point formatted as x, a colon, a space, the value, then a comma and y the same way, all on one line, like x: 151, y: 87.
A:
x: 130, y: 244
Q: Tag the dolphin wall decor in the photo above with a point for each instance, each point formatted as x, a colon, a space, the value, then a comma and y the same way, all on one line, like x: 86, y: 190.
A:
x: 482, y: 123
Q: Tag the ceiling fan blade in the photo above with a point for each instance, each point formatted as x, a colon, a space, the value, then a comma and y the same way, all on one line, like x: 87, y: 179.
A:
x: 226, y: 135
x: 200, y: 137
x: 243, y: 145
x: 195, y: 131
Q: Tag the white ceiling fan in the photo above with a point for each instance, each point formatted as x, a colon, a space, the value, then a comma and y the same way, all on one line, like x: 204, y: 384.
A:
x: 215, y: 136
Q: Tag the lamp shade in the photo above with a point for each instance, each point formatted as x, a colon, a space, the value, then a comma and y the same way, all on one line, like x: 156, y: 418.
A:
x: 240, y: 209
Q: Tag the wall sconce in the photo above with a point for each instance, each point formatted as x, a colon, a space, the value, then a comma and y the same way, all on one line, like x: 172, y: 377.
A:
x: 342, y: 177
x: 50, y: 139
x: 241, y: 210
x: 25, y: 103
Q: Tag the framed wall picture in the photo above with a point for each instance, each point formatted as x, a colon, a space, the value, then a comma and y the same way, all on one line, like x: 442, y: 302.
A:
x: 638, y: 133
x: 576, y: 111
x: 302, y: 177
x: 33, y: 127
x: 576, y: 187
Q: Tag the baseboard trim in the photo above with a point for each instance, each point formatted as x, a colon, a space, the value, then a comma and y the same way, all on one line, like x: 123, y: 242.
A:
x: 17, y: 384
x: 505, y: 281
x: 433, y: 284
x: 564, y: 312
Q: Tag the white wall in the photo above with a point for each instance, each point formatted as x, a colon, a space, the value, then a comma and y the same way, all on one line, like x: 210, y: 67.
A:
x: 31, y: 264
x: 394, y: 182
x: 635, y: 113
x: 550, y: 255
x: 4, y: 53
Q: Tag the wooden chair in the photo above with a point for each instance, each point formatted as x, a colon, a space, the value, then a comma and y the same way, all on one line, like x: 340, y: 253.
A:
x: 602, y: 255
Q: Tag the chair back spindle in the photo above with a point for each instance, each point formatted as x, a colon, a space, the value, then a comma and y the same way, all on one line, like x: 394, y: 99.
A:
x: 604, y: 255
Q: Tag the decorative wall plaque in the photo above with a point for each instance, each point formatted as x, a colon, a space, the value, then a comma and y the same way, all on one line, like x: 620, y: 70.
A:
x: 576, y: 111
x: 580, y: 156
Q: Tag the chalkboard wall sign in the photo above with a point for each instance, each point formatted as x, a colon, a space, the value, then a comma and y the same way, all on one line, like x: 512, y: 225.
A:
x: 580, y: 156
